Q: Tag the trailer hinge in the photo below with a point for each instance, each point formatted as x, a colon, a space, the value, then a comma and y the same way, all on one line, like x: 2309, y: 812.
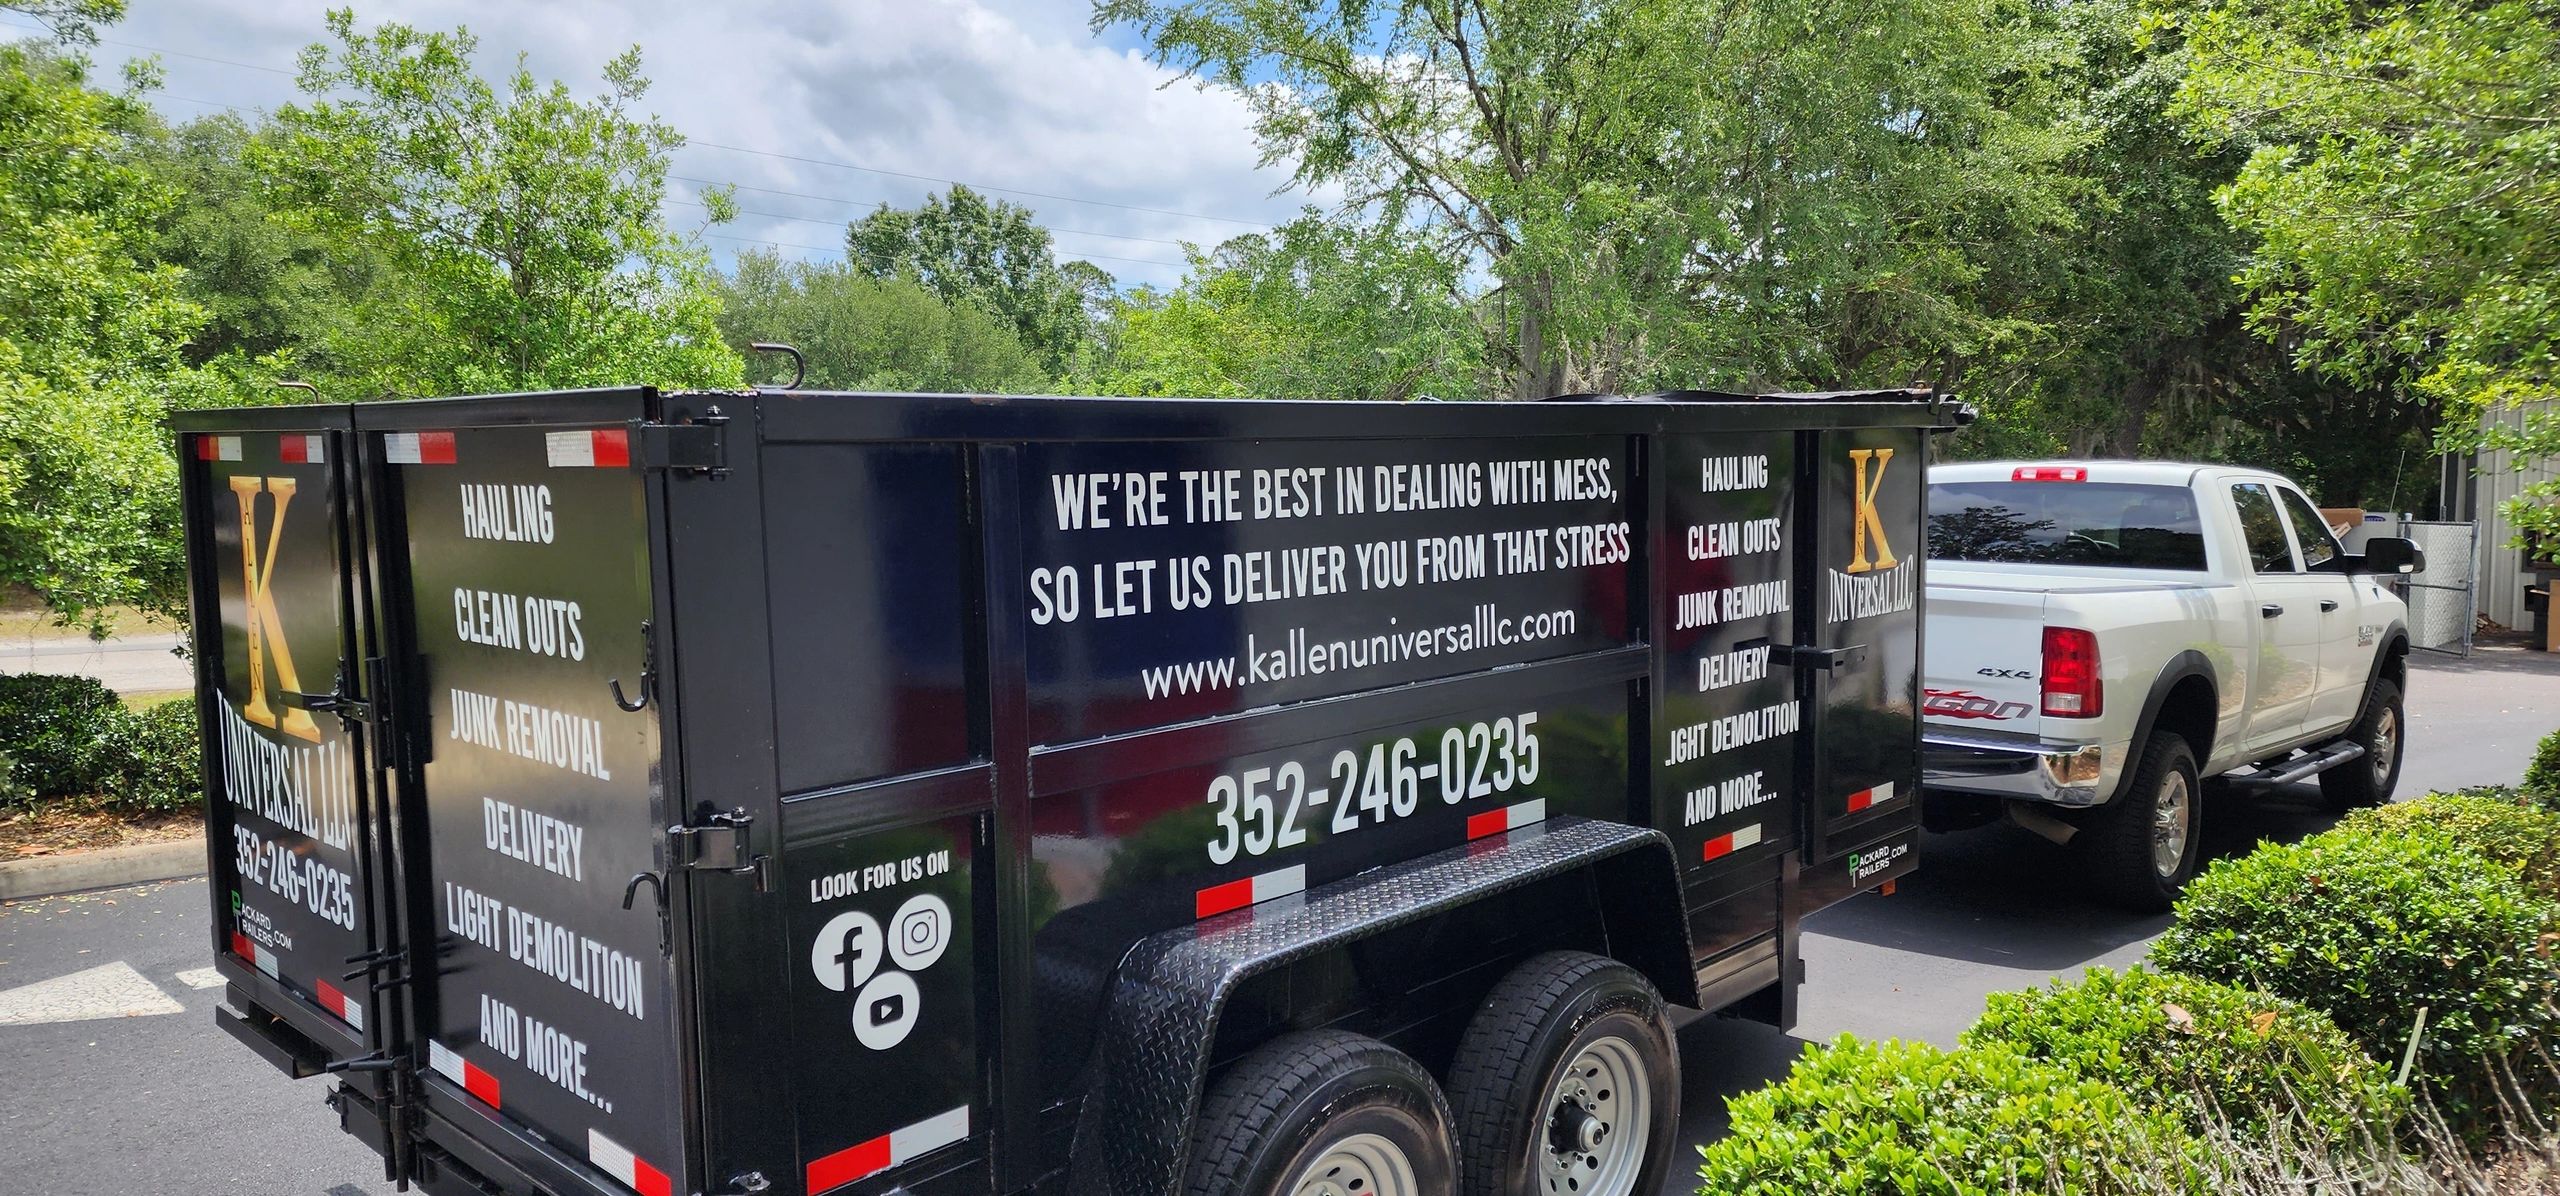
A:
x: 700, y: 447
x: 720, y: 846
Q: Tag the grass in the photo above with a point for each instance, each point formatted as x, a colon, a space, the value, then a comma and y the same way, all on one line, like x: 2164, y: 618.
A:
x: 148, y: 698
x: 24, y: 617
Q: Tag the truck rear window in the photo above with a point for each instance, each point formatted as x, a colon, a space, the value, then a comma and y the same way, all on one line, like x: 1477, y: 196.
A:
x: 2066, y: 523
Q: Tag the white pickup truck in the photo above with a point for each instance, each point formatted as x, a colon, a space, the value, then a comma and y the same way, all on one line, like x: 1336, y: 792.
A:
x: 2103, y: 636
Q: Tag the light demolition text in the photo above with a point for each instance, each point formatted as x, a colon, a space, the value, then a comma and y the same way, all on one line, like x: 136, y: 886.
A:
x: 584, y: 964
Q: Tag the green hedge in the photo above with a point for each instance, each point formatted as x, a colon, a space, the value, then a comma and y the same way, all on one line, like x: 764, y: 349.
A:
x: 2542, y: 777
x: 67, y: 739
x: 148, y: 760
x: 2370, y: 928
x: 1860, y: 1118
x: 2205, y: 1048
x: 2496, y: 825
x: 51, y: 727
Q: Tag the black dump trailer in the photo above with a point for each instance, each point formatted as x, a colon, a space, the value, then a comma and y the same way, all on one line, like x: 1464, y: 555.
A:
x: 779, y: 792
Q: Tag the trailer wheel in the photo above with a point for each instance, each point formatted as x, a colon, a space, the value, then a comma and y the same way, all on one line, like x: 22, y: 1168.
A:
x: 1567, y: 1083
x: 2369, y: 781
x: 2143, y: 846
x: 1323, y: 1113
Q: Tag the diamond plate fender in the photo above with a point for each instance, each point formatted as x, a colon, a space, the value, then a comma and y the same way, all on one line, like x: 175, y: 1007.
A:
x: 1173, y: 986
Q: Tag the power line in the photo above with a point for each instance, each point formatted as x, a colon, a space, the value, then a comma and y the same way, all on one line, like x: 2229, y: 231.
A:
x: 838, y: 251
x: 927, y: 178
x: 741, y: 149
x: 1104, y: 203
x: 41, y: 27
x: 1081, y: 232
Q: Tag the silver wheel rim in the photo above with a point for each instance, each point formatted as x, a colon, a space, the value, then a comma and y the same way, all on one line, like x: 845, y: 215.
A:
x: 1360, y: 1165
x: 1598, y: 1122
x: 2386, y: 744
x: 2172, y: 812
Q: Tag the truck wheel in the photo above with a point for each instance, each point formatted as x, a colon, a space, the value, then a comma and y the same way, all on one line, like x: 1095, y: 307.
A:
x: 1323, y: 1113
x: 2142, y: 847
x: 1566, y: 1083
x: 2357, y: 784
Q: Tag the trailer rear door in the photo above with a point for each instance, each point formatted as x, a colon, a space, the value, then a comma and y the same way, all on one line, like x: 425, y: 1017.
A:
x: 290, y: 826
x: 1866, y: 616
x: 518, y: 589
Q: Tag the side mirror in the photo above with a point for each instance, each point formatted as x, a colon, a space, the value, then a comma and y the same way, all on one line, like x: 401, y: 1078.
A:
x: 2391, y: 554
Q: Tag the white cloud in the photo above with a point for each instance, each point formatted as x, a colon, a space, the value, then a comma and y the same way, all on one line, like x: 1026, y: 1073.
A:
x: 999, y: 93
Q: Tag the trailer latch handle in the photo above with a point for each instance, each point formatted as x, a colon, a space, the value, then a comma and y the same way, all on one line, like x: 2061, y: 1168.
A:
x: 349, y: 708
x: 648, y: 674
x: 373, y: 1062
x: 657, y: 889
x: 1806, y: 656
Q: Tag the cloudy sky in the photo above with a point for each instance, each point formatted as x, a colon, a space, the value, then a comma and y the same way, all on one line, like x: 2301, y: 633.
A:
x: 781, y: 96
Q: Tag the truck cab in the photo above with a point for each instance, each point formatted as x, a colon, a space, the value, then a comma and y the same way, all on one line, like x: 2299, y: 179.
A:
x: 2107, y: 635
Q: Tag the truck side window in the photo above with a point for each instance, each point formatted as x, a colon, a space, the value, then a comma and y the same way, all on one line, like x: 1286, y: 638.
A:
x: 2263, y: 527
x: 2320, y: 549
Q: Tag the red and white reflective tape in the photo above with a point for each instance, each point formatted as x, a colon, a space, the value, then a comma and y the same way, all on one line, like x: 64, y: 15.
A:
x: 246, y: 948
x: 1252, y: 890
x: 1870, y: 797
x: 335, y: 1000
x: 217, y: 448
x: 892, y: 1149
x: 1508, y: 818
x: 302, y: 449
x: 606, y: 448
x: 418, y: 448
x: 1727, y: 844
x: 470, y: 1075
x: 634, y: 1172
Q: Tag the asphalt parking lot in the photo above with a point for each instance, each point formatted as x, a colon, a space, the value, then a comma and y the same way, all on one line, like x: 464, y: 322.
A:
x: 118, y: 1082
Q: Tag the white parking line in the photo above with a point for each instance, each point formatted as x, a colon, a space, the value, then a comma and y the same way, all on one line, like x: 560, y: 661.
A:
x: 201, y: 978
x: 110, y: 990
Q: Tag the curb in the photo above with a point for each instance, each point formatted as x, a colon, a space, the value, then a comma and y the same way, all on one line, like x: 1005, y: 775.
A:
x: 107, y: 867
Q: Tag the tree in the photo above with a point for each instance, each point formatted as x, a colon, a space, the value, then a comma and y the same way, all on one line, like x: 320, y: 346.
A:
x: 1316, y: 310
x: 89, y: 344
x: 995, y: 255
x: 1660, y: 191
x: 2401, y: 193
x: 524, y: 228
x: 276, y: 294
x: 865, y: 333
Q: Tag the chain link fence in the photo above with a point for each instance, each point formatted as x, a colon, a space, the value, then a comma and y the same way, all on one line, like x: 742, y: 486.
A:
x: 2443, y: 600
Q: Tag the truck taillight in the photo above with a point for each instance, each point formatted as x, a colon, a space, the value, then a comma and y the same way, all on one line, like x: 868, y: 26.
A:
x: 2072, y: 688
x: 2049, y: 473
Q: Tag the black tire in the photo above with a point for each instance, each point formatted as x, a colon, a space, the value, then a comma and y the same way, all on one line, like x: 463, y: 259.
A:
x: 1276, y: 1112
x: 2380, y: 729
x: 2121, y: 841
x: 1548, y: 1012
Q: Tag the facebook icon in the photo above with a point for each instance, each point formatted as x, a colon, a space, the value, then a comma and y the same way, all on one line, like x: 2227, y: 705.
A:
x: 847, y: 951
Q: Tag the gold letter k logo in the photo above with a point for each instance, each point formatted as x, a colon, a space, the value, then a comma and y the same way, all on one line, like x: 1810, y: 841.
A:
x: 266, y: 627
x: 1868, y: 517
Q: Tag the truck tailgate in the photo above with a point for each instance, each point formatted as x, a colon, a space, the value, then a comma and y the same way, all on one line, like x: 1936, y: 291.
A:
x: 1983, y: 669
